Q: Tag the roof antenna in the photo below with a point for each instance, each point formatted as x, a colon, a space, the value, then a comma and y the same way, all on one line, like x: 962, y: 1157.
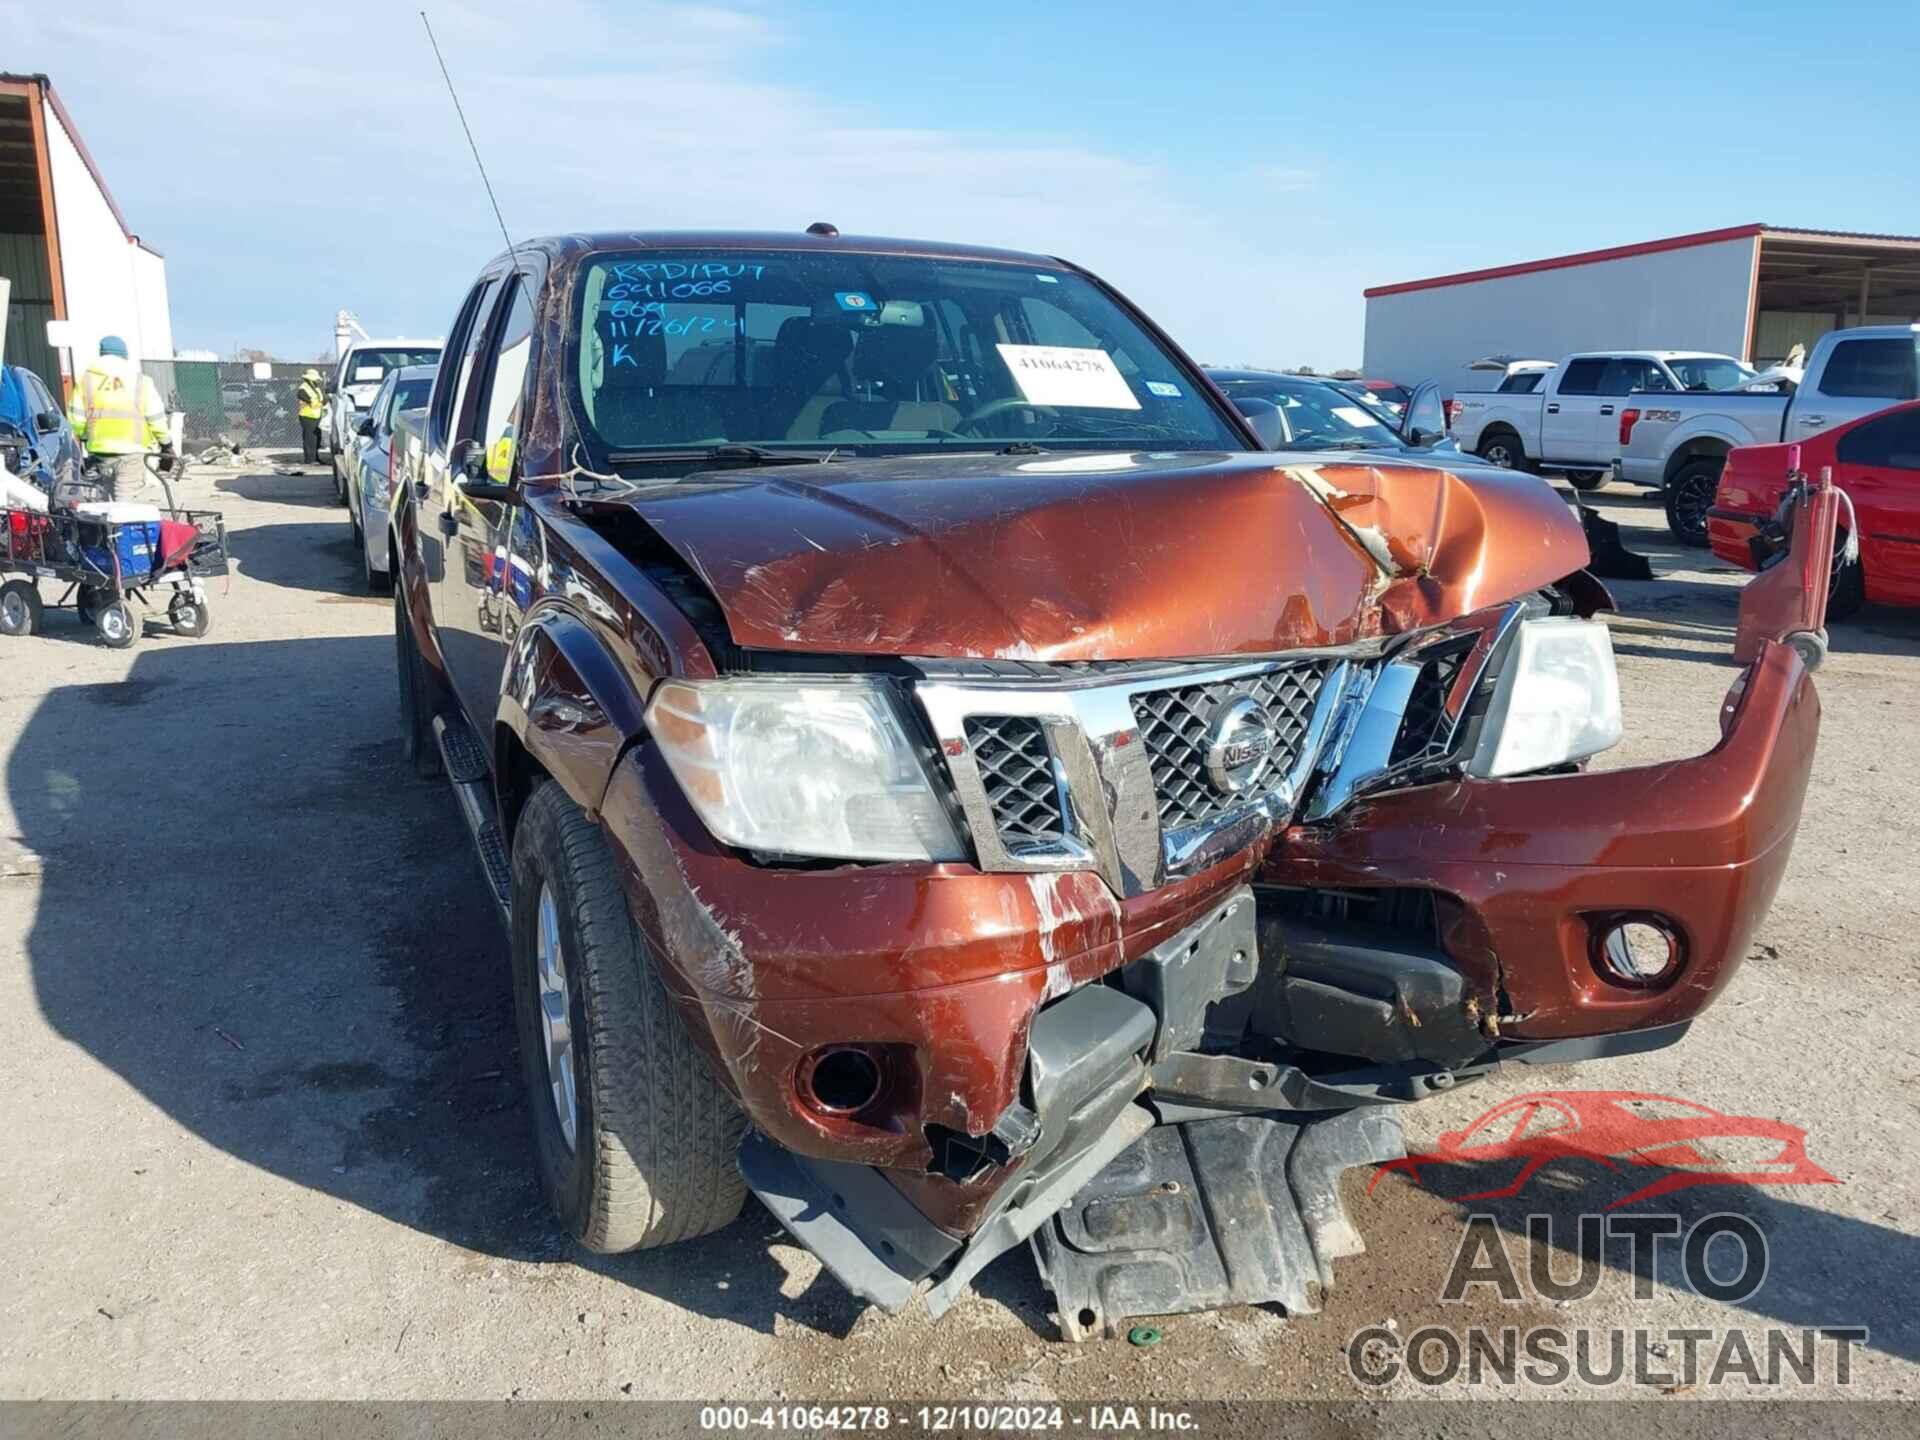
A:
x: 468, y: 130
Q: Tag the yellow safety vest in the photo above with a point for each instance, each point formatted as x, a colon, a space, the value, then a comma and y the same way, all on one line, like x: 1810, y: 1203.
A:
x: 115, y: 410
x: 312, y: 400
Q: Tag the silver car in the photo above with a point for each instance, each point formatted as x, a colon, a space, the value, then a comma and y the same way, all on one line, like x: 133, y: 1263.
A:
x: 368, y: 466
x: 357, y: 377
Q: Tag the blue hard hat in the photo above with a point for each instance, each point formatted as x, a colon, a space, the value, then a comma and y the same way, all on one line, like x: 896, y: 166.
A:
x: 113, y: 345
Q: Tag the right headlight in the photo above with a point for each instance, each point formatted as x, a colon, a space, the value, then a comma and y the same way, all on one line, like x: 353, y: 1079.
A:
x: 1557, y: 699
x: 793, y: 767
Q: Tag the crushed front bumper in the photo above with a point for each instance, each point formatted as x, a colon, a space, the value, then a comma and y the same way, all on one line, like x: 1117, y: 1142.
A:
x: 1004, y: 1081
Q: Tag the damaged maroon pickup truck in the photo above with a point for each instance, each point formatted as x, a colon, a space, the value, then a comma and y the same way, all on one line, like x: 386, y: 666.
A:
x: 942, y: 772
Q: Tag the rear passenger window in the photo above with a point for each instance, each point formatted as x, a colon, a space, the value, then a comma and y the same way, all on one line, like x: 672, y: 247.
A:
x: 1892, y: 441
x: 450, y: 401
x: 1582, y: 377
x: 1871, y: 369
x: 506, y: 386
x: 1623, y: 377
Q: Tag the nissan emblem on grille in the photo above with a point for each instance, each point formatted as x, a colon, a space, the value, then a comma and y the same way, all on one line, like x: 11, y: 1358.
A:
x: 1239, y: 742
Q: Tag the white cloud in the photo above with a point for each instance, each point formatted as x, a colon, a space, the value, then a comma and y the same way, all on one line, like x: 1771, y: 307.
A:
x: 290, y: 163
x: 1285, y: 178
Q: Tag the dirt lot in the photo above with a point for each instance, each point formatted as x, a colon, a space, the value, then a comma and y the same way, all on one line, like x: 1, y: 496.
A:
x: 263, y: 1135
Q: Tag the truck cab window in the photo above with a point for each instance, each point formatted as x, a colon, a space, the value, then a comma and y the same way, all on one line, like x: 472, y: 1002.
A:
x: 1623, y: 376
x: 1871, y: 369
x: 1583, y: 377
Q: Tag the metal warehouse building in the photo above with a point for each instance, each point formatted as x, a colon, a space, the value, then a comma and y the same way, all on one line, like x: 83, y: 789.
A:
x: 1751, y: 291
x: 64, y: 244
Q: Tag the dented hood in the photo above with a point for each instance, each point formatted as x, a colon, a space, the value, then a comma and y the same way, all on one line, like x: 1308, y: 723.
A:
x: 1107, y: 556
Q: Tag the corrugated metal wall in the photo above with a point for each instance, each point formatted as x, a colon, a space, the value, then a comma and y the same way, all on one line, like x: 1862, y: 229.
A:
x: 23, y: 260
x: 1686, y: 299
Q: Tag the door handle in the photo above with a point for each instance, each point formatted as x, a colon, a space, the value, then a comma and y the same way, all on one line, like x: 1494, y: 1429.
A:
x: 1606, y: 409
x: 1553, y: 409
x: 448, y: 525
x: 1813, y: 419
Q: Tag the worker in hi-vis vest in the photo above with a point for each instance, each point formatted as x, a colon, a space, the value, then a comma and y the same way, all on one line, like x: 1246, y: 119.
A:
x: 117, y: 415
x: 313, y: 403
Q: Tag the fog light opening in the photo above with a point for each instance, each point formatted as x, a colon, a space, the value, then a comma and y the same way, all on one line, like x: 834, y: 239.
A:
x: 1640, y: 952
x: 841, y: 1081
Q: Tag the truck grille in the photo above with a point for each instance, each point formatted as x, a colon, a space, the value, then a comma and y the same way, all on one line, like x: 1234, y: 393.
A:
x: 1016, y: 767
x: 1174, y: 725
x: 1427, y: 727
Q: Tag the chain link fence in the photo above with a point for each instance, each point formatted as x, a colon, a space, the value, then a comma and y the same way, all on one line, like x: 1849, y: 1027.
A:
x: 227, y: 403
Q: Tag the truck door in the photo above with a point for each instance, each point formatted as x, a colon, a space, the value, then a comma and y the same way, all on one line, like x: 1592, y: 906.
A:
x: 1570, y: 411
x: 1878, y: 465
x: 452, y: 399
x: 480, y: 588
x: 1621, y: 378
x: 1858, y: 378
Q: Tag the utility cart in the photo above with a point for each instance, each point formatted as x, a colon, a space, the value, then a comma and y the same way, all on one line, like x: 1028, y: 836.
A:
x: 116, y: 560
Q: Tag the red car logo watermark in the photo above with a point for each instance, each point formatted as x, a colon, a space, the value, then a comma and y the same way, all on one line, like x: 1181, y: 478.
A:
x: 1687, y: 1143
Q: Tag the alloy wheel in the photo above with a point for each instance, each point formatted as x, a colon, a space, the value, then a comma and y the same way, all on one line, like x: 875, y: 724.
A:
x: 556, y: 1022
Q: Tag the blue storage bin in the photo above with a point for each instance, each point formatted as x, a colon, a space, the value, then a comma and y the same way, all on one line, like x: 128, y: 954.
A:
x: 136, y: 541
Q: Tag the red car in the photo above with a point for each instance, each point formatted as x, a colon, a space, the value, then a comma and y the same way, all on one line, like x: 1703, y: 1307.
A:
x: 1876, y: 464
x: 1690, y: 1144
x: 1392, y: 392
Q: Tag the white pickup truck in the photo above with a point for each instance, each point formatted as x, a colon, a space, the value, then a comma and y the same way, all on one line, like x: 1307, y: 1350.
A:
x: 1680, y: 442
x: 1567, y: 422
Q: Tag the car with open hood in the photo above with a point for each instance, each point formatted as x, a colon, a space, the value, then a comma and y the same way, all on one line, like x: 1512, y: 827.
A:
x: 946, y: 767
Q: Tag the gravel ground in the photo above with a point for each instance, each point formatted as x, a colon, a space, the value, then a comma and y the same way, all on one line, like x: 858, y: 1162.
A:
x: 263, y: 1136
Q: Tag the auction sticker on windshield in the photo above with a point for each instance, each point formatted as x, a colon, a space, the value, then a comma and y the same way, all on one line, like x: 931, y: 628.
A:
x: 1354, y: 415
x: 1064, y: 375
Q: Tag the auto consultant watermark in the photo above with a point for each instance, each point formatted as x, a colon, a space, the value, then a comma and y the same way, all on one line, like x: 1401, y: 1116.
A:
x: 1654, y: 1146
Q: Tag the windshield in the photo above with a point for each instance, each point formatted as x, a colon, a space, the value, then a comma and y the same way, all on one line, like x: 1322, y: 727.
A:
x: 878, y: 354
x: 370, y: 367
x: 1709, y: 372
x: 1320, y: 417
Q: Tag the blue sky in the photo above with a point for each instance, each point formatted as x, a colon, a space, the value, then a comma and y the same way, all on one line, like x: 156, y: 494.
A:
x: 1243, y: 171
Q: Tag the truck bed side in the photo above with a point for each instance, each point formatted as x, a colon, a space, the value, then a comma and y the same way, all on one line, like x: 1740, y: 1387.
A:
x: 1666, y: 431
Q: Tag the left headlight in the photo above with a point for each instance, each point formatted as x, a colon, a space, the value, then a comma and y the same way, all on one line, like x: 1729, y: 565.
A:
x: 1557, y: 700
x: 801, y: 769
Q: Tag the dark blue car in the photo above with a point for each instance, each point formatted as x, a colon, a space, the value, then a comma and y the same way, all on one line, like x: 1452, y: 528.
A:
x: 36, y: 441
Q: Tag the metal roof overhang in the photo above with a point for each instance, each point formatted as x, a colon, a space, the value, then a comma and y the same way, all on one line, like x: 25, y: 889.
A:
x: 1838, y: 272
x: 1797, y: 269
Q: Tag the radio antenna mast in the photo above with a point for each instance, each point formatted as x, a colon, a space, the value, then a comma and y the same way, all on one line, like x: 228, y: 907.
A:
x: 466, y: 129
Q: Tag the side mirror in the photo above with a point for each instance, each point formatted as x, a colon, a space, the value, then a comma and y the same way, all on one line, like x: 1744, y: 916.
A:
x: 1425, y: 420
x: 47, y: 421
x: 469, y: 461
x: 365, y: 427
x: 1264, y: 417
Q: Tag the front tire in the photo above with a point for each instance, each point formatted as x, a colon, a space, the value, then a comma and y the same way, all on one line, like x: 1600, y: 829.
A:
x: 1689, y: 496
x: 20, y: 608
x: 379, y: 582
x: 118, y: 623
x: 634, y: 1138
x: 417, y: 744
x: 1503, y: 449
x: 1847, y: 591
x: 190, y: 617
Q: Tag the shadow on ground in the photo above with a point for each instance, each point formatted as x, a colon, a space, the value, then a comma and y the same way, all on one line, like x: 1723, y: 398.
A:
x: 310, y: 487
x: 1822, y: 1268
x: 260, y: 920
